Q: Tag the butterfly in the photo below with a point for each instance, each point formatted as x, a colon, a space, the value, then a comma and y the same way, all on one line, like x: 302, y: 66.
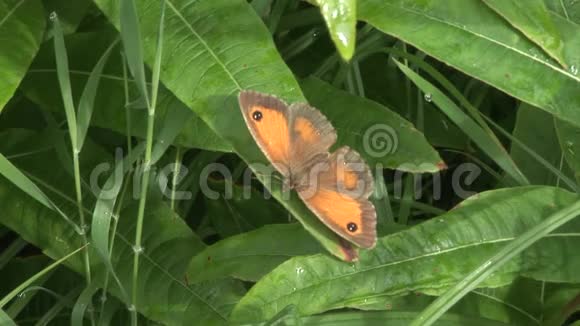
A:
x: 296, y: 139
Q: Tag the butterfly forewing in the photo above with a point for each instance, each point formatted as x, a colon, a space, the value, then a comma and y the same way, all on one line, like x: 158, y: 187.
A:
x: 267, y: 118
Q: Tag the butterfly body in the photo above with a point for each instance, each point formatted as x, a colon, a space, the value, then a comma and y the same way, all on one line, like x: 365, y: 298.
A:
x: 296, y: 139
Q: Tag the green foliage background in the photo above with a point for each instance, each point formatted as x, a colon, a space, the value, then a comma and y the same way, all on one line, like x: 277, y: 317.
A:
x: 486, y: 87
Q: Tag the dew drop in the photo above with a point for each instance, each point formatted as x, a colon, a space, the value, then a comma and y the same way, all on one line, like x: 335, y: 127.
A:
x: 299, y: 270
x: 138, y: 250
x: 131, y: 307
x: 428, y: 97
x: 53, y: 16
x: 574, y: 70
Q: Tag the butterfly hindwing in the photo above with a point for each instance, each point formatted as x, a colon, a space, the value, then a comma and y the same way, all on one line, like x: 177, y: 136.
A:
x: 338, y: 195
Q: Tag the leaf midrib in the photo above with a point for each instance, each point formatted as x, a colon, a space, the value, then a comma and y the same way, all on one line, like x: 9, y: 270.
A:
x: 204, y: 43
x: 411, y: 259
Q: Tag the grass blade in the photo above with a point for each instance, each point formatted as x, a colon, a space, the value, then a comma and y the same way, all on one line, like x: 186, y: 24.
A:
x: 63, y: 73
x: 84, y: 300
x: 131, y: 37
x: 12, y: 173
x: 5, y: 319
x: 38, y: 275
x: 87, y: 101
x: 465, y: 123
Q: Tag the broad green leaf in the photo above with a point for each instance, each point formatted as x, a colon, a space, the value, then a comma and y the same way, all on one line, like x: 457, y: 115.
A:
x: 502, y: 257
x: 380, y: 135
x: 392, y: 318
x: 21, y: 28
x: 534, y: 129
x: 518, y: 303
x: 164, y: 295
x: 488, y: 144
x: 427, y: 258
x: 569, y: 136
x: 41, y: 87
x: 534, y: 20
x: 249, y: 256
x: 14, y: 175
x: 469, y: 36
x: 340, y: 18
x: 210, y: 63
x: 567, y: 9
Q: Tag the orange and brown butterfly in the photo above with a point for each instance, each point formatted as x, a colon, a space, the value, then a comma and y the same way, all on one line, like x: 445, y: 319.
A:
x: 296, y: 139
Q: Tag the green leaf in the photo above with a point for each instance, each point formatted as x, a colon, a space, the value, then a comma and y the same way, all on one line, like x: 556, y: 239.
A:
x: 392, y: 318
x: 567, y: 9
x: 535, y: 129
x: 488, y: 144
x: 41, y: 87
x: 12, y: 173
x: 210, y: 63
x: 21, y: 28
x: 87, y: 100
x: 427, y: 258
x: 164, y: 295
x: 84, y: 300
x: 132, y: 43
x: 247, y: 258
x: 5, y: 319
x: 499, y: 259
x: 36, y: 276
x: 63, y: 73
x: 568, y: 136
x: 380, y: 135
x: 518, y: 303
x: 340, y: 18
x: 447, y: 27
x: 533, y: 20
x: 561, y: 301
